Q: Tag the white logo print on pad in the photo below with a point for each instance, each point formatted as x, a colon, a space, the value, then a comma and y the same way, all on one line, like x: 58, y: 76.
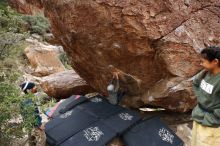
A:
x: 206, y: 87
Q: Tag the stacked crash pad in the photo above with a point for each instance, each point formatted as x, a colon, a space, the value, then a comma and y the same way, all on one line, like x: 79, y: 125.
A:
x: 95, y: 122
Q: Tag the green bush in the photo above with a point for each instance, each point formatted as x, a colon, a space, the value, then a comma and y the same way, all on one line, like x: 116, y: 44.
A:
x: 12, y: 43
x: 11, y: 21
x: 14, y: 29
x: 65, y: 61
x: 10, y: 99
x: 37, y: 24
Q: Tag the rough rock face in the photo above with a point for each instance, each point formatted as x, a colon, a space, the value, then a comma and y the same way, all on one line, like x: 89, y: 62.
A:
x: 154, y: 43
x: 27, y: 6
x: 43, y: 58
x: 64, y: 84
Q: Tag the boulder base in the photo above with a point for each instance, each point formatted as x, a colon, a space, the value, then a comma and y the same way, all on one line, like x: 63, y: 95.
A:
x: 64, y: 84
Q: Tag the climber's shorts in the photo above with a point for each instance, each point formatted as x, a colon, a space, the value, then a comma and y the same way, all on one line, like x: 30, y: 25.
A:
x: 205, y: 136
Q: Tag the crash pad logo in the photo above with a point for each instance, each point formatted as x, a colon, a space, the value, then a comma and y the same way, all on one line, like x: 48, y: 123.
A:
x: 93, y: 134
x: 166, y: 135
x: 126, y: 116
x: 65, y: 115
x: 96, y: 99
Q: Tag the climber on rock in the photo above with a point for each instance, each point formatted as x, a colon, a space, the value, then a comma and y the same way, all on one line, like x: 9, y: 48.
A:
x: 121, y: 85
x: 115, y: 94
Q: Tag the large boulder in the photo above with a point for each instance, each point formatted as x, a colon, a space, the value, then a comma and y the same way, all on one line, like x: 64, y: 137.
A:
x: 43, y: 58
x: 27, y: 6
x: 151, y: 44
x: 64, y: 84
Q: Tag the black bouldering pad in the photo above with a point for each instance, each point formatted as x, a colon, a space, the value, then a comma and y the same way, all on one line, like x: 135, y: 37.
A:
x: 97, y: 134
x: 100, y: 108
x: 151, y: 132
x: 95, y: 122
x: 66, y: 105
x: 123, y: 120
x: 63, y: 127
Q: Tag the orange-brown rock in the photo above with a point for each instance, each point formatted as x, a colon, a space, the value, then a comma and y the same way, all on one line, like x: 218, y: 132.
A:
x: 154, y: 43
x: 148, y: 42
x: 64, y: 84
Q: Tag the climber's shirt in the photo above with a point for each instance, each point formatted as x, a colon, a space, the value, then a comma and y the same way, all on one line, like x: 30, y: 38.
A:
x: 206, y: 87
